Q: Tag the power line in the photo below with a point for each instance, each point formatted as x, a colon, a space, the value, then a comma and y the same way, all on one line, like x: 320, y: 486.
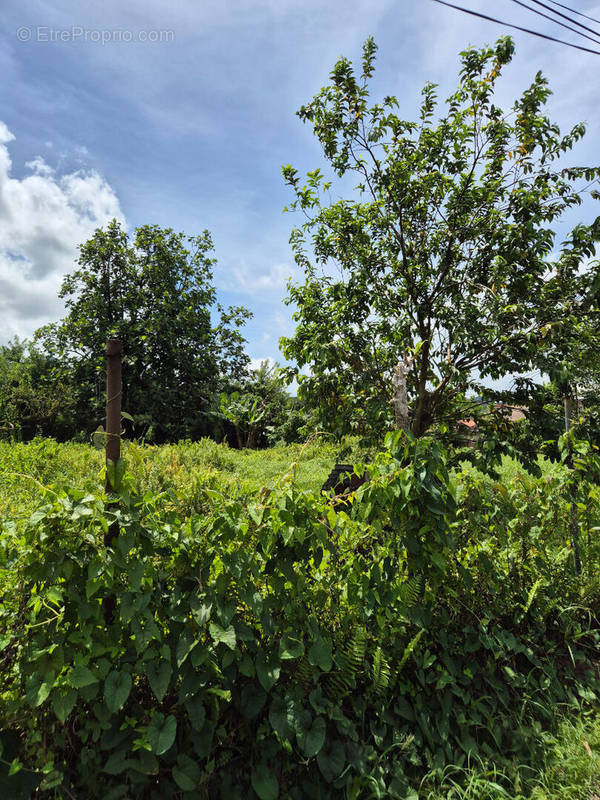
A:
x: 559, y: 14
x: 517, y: 27
x: 574, y: 11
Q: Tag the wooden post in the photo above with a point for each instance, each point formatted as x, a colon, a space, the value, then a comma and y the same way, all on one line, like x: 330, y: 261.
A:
x: 114, y: 352
x: 574, y: 515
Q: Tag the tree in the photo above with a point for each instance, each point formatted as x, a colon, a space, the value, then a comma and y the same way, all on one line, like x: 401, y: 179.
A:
x: 438, y: 266
x: 155, y: 292
x: 32, y: 398
x: 258, y: 412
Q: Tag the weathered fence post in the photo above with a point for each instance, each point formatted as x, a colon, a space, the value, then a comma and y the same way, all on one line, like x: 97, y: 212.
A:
x: 568, y: 400
x: 114, y: 352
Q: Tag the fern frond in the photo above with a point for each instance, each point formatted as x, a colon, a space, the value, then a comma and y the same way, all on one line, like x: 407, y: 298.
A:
x: 380, y: 672
x: 351, y: 663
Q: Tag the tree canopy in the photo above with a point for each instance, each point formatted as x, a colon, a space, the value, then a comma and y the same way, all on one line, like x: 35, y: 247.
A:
x: 154, y: 291
x: 442, y: 262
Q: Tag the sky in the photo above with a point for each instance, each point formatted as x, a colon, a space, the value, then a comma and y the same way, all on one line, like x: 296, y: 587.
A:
x: 183, y: 113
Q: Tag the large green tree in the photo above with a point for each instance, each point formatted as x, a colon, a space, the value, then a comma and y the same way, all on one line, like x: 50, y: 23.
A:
x: 437, y: 271
x: 155, y: 291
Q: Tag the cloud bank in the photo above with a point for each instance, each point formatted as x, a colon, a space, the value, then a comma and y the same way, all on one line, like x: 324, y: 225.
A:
x: 44, y: 216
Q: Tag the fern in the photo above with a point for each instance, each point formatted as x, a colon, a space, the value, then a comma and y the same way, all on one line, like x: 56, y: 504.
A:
x: 304, y: 672
x: 380, y: 672
x: 410, y: 590
x: 351, y: 661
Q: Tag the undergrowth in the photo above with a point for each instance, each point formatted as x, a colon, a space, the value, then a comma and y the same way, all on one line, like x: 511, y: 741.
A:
x: 422, y: 638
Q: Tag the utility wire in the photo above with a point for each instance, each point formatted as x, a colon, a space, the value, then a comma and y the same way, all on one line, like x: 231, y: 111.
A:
x: 574, y: 11
x: 558, y: 14
x: 517, y: 27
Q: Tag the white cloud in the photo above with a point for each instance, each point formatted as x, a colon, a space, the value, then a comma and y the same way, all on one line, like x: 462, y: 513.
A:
x: 44, y: 216
x: 275, y: 279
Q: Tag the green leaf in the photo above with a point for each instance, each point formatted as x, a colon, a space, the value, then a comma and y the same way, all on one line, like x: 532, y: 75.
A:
x: 187, y: 773
x: 282, y: 717
x: 196, y: 712
x: 116, y: 690
x: 267, y: 671
x: 117, y: 763
x: 290, y: 647
x: 265, y: 783
x: 224, y: 635
x: 319, y: 655
x: 331, y: 760
x: 185, y: 645
x: 201, y: 613
x: 310, y: 733
x: 63, y: 702
x: 15, y: 767
x: 39, y: 688
x: 252, y: 701
x: 160, y: 733
x: 159, y: 676
x: 81, y: 676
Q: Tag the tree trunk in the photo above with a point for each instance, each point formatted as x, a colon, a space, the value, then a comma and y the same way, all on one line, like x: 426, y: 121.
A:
x: 400, y: 393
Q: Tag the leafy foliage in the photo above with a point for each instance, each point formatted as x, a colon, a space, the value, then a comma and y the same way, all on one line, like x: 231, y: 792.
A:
x: 258, y: 411
x: 33, y: 397
x: 276, y: 647
x: 443, y: 255
x: 156, y: 293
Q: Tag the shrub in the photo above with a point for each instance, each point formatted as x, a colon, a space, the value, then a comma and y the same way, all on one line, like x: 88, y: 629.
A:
x: 280, y: 648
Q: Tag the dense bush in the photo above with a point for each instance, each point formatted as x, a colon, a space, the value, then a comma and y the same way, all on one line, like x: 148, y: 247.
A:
x: 284, y: 648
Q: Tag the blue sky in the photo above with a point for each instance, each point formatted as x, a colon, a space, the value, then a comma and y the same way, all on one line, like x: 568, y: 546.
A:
x: 187, y: 120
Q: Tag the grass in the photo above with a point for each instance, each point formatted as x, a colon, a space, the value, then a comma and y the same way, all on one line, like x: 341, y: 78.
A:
x: 186, y: 471
x: 571, y: 771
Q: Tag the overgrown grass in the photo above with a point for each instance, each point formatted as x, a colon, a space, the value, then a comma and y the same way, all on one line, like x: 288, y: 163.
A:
x: 186, y: 471
x: 570, y: 771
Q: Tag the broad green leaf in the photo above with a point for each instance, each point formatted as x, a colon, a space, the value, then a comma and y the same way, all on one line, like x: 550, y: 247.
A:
x: 196, y: 712
x: 331, y: 760
x: 252, y: 700
x: 319, y: 655
x: 310, y: 733
x: 186, y: 773
x: 267, y: 671
x: 63, y: 702
x: 265, y: 783
x: 39, y: 688
x: 187, y: 641
x: 160, y: 733
x: 159, y: 676
x: 81, y: 676
x: 282, y: 717
x: 116, y: 689
x: 224, y: 635
x: 290, y: 647
x: 117, y: 763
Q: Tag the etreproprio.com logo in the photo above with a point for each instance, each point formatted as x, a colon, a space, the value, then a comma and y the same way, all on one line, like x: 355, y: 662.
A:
x: 77, y: 33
